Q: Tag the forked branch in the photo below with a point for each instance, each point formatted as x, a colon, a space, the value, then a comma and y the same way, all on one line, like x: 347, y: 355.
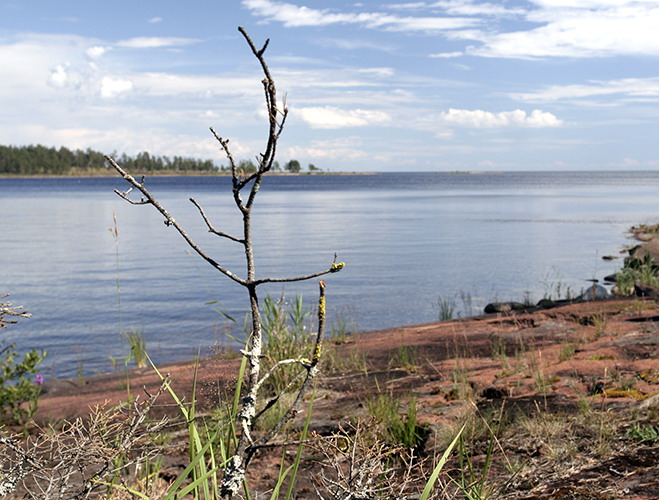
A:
x: 234, y: 471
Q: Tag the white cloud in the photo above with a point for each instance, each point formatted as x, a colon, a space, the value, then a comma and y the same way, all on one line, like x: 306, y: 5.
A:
x: 169, y: 84
x: 486, y: 119
x: 446, y: 55
x: 96, y: 52
x: 628, y: 87
x: 145, y: 42
x: 112, y: 87
x: 58, y: 77
x: 328, y: 117
x: 461, y: 8
x: 549, y: 28
x: 292, y: 16
x: 155, y: 20
x: 580, y: 29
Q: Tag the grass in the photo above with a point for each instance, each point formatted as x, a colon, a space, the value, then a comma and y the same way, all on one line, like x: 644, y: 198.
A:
x: 567, y: 352
x: 137, y: 346
x: 636, y: 270
x: 396, y: 428
x: 446, y: 308
x: 406, y: 358
x: 287, y: 337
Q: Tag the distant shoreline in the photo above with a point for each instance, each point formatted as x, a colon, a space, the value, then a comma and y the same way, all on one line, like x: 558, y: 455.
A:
x: 99, y: 174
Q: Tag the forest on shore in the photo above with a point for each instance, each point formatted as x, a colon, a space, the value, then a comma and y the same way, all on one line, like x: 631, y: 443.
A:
x: 43, y: 160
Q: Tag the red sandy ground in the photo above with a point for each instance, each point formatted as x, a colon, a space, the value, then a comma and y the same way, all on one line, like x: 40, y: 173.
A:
x: 522, y: 361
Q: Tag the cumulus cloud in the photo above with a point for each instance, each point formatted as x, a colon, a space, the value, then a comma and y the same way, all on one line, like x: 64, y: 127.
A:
x: 112, y: 87
x: 96, y: 52
x: 328, y: 117
x: 58, y: 77
x: 486, y: 119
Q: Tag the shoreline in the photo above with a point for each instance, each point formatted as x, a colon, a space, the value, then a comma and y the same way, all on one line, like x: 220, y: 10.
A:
x: 96, y: 175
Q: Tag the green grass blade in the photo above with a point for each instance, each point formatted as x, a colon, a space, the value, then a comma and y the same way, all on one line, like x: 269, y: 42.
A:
x: 175, y: 397
x: 124, y: 488
x: 280, y: 481
x: 194, y: 485
x: 223, y: 314
x: 199, y: 457
x: 298, y: 455
x: 425, y: 494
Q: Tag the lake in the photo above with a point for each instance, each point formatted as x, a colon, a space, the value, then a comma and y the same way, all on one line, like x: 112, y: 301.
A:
x: 408, y: 239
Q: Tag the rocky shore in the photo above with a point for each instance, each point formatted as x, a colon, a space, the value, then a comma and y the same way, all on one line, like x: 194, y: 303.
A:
x: 571, y: 388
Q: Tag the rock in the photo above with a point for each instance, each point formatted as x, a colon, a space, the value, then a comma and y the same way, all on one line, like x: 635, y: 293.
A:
x: 643, y: 290
x: 595, y: 292
x: 493, y: 392
x: 546, y: 303
x: 609, y: 257
x: 648, y: 249
x: 502, y: 307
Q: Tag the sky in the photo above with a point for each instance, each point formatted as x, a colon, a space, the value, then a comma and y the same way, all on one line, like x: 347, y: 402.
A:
x: 370, y: 86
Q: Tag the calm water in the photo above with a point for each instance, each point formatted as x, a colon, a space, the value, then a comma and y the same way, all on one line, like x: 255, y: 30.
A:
x: 407, y: 239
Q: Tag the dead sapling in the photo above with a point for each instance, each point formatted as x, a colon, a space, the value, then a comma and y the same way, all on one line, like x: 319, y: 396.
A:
x: 244, y: 191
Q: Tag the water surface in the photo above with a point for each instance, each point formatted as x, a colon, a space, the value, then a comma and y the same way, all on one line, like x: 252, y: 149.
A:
x: 407, y: 239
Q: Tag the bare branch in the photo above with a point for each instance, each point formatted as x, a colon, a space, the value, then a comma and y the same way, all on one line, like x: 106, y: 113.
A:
x: 211, y: 229
x: 170, y: 221
x: 7, y: 309
x: 334, y: 268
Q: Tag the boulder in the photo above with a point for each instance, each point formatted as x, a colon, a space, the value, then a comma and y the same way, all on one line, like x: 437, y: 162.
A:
x: 595, y: 292
x: 649, y: 248
x: 643, y: 290
x: 503, y: 307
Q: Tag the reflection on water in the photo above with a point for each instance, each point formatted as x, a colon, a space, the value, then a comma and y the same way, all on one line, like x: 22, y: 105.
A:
x: 406, y: 239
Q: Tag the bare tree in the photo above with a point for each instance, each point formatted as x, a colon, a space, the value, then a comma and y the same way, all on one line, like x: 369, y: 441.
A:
x: 248, y: 186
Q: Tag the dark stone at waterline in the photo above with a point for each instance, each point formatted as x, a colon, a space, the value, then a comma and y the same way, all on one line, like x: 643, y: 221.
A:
x: 503, y: 307
x: 642, y: 290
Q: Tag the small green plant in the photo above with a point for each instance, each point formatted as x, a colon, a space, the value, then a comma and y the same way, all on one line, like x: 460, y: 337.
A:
x: 634, y: 271
x: 343, y: 325
x: 567, y: 352
x: 405, y: 358
x: 286, y: 337
x: 446, y: 308
x: 555, y: 288
x: 137, y: 345
x: 336, y: 360
x: 397, y: 429
x: 599, y: 322
x: 643, y: 433
x: 20, y: 385
x: 20, y: 380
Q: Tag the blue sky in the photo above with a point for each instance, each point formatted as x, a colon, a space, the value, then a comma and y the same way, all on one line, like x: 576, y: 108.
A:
x: 371, y: 86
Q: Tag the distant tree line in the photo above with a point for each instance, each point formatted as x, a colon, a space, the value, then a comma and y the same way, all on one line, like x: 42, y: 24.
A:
x: 35, y: 160
x: 291, y: 166
x: 42, y: 160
